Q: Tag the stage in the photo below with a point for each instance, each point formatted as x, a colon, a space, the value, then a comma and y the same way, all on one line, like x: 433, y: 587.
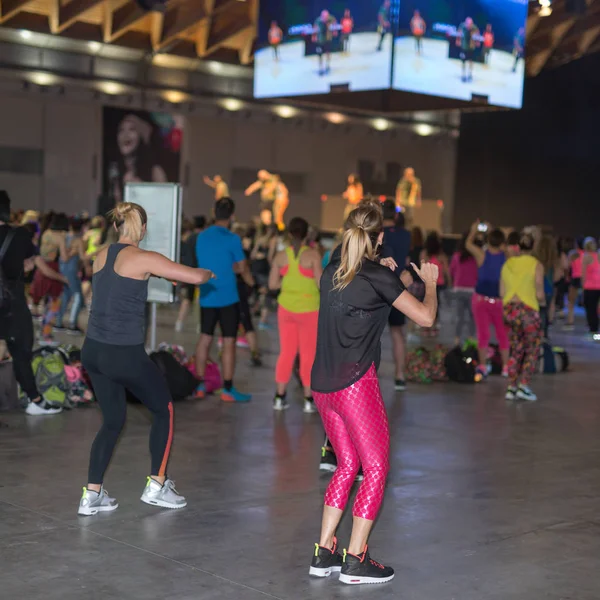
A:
x: 433, y: 73
x: 362, y: 68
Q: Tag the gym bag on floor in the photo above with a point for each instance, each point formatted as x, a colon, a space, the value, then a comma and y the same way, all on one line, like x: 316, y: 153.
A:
x: 48, y: 366
x: 181, y: 382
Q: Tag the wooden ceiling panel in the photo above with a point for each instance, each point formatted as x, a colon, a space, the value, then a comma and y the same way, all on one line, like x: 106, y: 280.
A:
x: 226, y: 29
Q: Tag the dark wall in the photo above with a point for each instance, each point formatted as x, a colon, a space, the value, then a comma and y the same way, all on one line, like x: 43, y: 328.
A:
x: 540, y: 165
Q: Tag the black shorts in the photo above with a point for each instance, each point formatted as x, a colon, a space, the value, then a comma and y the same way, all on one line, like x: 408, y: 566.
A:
x: 188, y: 291
x: 396, y: 318
x: 467, y: 55
x: 228, y: 318
x: 324, y: 47
x: 266, y: 205
x: 575, y: 283
x: 245, y: 315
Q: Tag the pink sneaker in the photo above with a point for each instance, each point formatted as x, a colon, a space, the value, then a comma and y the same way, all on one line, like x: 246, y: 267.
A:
x: 505, y: 371
x: 242, y: 342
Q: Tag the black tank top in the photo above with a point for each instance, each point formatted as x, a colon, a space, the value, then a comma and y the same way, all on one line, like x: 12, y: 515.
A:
x: 118, y: 305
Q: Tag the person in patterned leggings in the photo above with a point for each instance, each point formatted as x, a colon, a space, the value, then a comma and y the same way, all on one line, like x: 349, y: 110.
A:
x: 522, y: 291
x: 357, y: 293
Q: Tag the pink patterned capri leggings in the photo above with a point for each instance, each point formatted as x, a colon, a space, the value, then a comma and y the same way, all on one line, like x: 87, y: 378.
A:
x: 356, y: 424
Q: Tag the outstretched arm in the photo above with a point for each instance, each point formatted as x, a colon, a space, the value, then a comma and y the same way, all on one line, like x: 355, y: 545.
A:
x: 209, y: 182
x: 160, y: 266
x: 253, y: 188
x: 477, y: 252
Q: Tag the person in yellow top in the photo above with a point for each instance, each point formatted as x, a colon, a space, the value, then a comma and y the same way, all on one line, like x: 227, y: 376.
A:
x: 218, y: 184
x: 354, y: 194
x: 408, y: 193
x: 296, y: 271
x: 522, y: 291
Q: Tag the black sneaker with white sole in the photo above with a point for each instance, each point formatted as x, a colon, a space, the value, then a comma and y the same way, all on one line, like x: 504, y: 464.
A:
x: 363, y: 569
x: 399, y: 385
x: 328, y: 460
x: 325, y: 561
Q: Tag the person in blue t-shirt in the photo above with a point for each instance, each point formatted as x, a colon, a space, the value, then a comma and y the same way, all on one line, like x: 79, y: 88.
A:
x: 396, y: 245
x: 219, y: 299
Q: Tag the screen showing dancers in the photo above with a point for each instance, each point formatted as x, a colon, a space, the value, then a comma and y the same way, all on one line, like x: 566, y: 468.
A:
x: 465, y: 49
x: 320, y: 46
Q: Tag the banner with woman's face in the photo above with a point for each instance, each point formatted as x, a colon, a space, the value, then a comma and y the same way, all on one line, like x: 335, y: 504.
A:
x: 139, y: 146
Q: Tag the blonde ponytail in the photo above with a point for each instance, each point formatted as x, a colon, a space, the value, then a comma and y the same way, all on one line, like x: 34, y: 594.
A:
x: 130, y: 220
x: 359, y: 241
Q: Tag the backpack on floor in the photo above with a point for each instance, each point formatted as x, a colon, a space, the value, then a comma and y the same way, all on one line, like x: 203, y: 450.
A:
x: 547, y: 359
x: 212, y: 375
x: 180, y: 381
x: 178, y: 352
x: 461, y: 364
x: 418, y: 366
x: 48, y: 366
x: 561, y: 357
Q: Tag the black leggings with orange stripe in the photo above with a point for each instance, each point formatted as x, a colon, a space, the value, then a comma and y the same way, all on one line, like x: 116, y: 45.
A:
x: 113, y: 370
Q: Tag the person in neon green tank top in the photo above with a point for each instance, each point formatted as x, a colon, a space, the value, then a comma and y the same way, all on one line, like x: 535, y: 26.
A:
x: 296, y: 272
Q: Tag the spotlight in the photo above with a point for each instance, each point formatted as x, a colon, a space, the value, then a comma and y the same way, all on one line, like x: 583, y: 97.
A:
x: 175, y: 96
x: 215, y: 67
x: 380, y: 124
x: 285, y: 112
x: 232, y: 104
x: 424, y: 129
x: 110, y: 87
x: 94, y: 46
x: 42, y: 78
x: 336, y: 118
x: 25, y: 34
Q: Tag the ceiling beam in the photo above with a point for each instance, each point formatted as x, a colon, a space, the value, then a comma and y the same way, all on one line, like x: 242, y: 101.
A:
x: 181, y: 19
x: 226, y: 33
x: 74, y: 10
x: 587, y: 39
x: 537, y: 62
x: 10, y: 8
x: 124, y: 18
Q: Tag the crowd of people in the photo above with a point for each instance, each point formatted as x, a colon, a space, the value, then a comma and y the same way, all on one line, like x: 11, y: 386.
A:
x: 332, y: 309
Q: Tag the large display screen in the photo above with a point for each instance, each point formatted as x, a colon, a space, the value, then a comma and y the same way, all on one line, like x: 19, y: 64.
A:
x: 320, y: 46
x: 465, y: 49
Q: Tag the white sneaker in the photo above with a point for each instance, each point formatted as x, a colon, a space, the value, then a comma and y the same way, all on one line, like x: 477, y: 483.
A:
x: 92, y: 503
x: 511, y: 393
x: 164, y: 495
x: 525, y: 393
x: 280, y: 403
x: 309, y: 407
x: 36, y: 409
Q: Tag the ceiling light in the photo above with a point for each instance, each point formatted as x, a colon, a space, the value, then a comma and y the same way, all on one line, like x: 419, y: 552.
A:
x: 381, y: 124
x: 111, y: 87
x: 42, y: 78
x: 285, y: 112
x: 215, y: 67
x: 334, y: 117
x: 545, y: 3
x: 175, y: 96
x: 232, y: 104
x: 424, y: 129
x: 25, y: 34
x: 94, y: 46
x: 545, y: 11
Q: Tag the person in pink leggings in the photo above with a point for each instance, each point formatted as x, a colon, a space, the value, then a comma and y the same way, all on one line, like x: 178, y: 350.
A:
x: 296, y: 271
x: 357, y: 293
x: 487, y: 303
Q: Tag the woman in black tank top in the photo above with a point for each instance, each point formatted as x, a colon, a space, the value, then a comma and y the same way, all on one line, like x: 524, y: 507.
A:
x: 115, y: 358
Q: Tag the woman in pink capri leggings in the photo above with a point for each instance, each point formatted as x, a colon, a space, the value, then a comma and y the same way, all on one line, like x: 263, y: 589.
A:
x: 357, y: 293
x: 487, y: 304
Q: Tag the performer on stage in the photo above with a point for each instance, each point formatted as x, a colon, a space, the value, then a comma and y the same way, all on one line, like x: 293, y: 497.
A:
x: 322, y: 35
x: 383, y: 23
x: 488, y: 43
x: 418, y: 28
x: 347, y: 28
x: 519, y: 47
x: 274, y: 197
x: 354, y: 194
x: 219, y: 185
x: 466, y: 41
x: 275, y: 39
x: 408, y: 194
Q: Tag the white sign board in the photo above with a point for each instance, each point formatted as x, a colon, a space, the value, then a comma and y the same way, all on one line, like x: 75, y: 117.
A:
x: 162, y: 202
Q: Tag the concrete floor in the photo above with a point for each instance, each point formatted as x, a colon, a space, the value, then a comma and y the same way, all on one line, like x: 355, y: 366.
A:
x: 484, y: 499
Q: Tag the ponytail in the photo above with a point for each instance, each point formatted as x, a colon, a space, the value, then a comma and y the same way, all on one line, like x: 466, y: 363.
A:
x: 130, y: 220
x: 363, y: 226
